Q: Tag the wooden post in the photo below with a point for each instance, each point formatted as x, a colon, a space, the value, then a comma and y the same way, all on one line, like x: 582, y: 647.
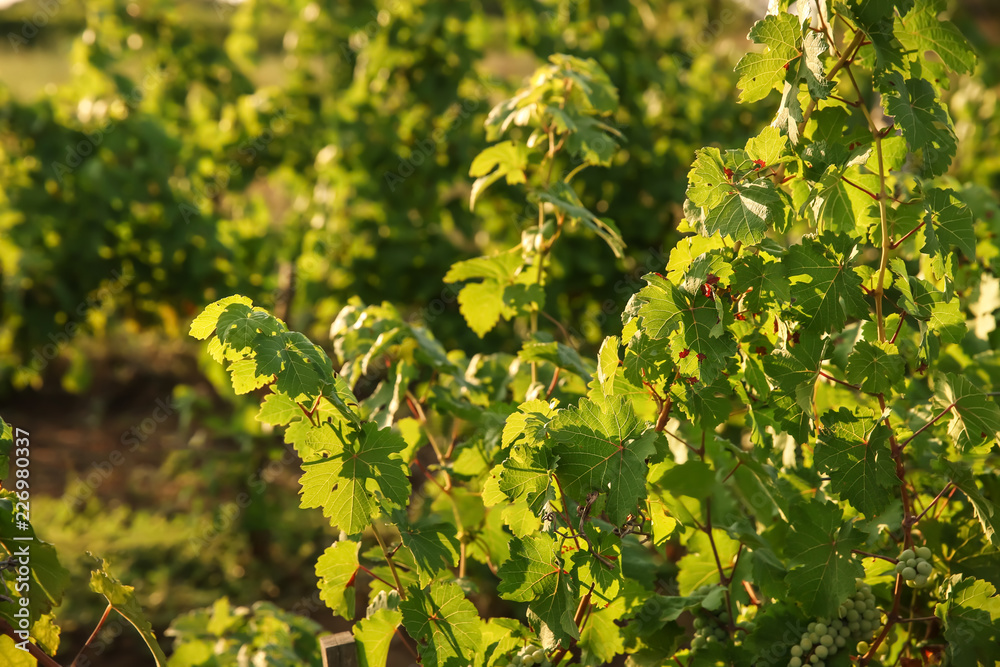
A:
x: 339, y: 650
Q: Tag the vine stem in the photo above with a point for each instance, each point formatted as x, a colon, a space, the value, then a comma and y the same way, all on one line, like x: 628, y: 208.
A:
x: 34, y: 651
x: 927, y: 425
x: 886, y: 244
x: 933, y: 502
x: 392, y: 565
x: 93, y: 635
x: 373, y: 575
x: 833, y: 379
x: 871, y: 555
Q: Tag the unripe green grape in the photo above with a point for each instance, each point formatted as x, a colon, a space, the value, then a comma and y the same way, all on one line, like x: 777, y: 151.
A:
x: 697, y: 643
x: 907, y: 554
x: 820, y: 629
x: 796, y: 651
x: 721, y: 634
x: 860, y: 607
x: 866, y: 626
x: 845, y: 631
x: 923, y: 567
x: 840, y: 641
x: 924, y: 552
x: 853, y: 615
x: 920, y: 580
x: 699, y: 623
x: 724, y: 617
x: 806, y: 644
x: 795, y: 662
x: 711, y: 639
x: 849, y: 603
x: 868, y: 614
x: 826, y: 640
x: 911, y: 562
x: 814, y: 638
x: 539, y: 655
x: 862, y: 648
x: 814, y: 658
x: 821, y: 651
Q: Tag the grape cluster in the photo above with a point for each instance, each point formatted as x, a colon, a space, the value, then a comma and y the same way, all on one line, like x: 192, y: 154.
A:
x: 860, y: 613
x: 915, y: 566
x: 529, y: 656
x: 859, y: 619
x: 708, y: 629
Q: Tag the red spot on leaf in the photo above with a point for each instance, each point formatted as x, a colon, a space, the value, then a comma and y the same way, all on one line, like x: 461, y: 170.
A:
x: 712, y: 279
x: 760, y: 350
x: 759, y: 164
x: 701, y: 357
x: 740, y: 317
x: 729, y: 173
x: 684, y: 353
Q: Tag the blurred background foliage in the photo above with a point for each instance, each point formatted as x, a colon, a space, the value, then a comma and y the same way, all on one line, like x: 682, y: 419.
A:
x: 158, y: 155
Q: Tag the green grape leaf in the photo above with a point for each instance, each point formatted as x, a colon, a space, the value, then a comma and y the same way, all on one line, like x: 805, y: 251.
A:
x: 122, y: 599
x: 767, y: 146
x: 971, y: 617
x: 814, y: 45
x: 602, y: 448
x: 759, y: 73
x: 239, y: 325
x: 607, y: 363
x: 445, y: 624
x: 47, y: 578
x: 557, y: 354
x: 854, y: 451
x: 822, y: 570
x: 500, y: 268
x: 279, y: 410
x: 925, y: 123
x: 601, y: 639
x: 373, y: 636
x: 875, y: 367
x: 985, y: 510
x: 432, y: 543
x: 245, y: 378
x: 761, y: 282
x: 875, y: 19
x: 662, y: 306
x: 977, y: 416
x: 360, y: 481
x: 482, y: 305
x: 565, y: 199
x: 599, y: 571
x: 948, y: 321
x: 950, y: 222
x: 529, y: 424
x: 525, y: 476
x: 336, y: 569
x: 534, y: 574
x: 743, y: 210
x: 921, y: 31
x: 206, y: 322
x: 507, y: 158
x: 825, y: 289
